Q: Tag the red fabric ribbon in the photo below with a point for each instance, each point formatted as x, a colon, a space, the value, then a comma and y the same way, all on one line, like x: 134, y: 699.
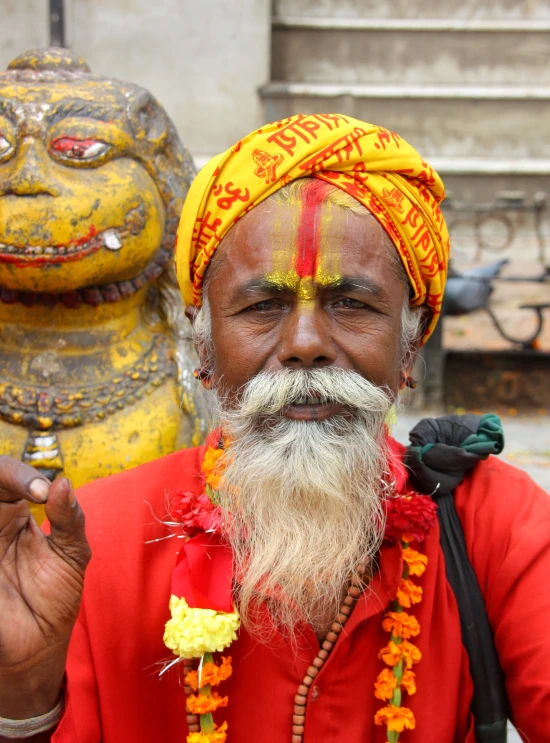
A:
x: 203, y: 575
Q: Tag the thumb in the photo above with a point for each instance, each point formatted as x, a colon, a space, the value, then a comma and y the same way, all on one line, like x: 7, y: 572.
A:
x: 66, y: 519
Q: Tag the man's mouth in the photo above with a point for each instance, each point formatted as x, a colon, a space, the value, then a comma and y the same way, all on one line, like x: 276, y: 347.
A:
x: 311, y: 408
x: 309, y: 400
x: 111, y: 239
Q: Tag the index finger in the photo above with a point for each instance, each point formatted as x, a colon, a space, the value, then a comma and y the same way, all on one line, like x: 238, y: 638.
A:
x: 19, y: 480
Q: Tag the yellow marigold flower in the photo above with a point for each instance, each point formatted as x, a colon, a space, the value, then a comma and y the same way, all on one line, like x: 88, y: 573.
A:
x: 211, y: 674
x: 401, y: 624
x: 219, y: 735
x: 409, y: 593
x: 200, y: 704
x: 396, y: 718
x: 385, y: 684
x: 416, y: 561
x: 211, y: 467
x: 408, y: 681
x: 192, y: 632
x: 392, y: 653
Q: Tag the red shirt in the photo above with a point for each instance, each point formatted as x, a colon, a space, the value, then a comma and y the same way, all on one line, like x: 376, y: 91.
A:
x: 114, y: 694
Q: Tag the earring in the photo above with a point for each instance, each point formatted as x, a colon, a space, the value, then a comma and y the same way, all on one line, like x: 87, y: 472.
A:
x: 204, y: 377
x: 408, y: 381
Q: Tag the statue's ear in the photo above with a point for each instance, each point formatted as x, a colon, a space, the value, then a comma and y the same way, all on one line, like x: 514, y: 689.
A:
x: 147, y: 118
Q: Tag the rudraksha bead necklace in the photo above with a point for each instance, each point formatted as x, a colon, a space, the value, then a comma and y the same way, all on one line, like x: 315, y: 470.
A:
x: 355, y: 589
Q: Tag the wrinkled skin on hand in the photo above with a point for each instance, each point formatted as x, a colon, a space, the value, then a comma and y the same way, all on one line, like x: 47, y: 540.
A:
x: 41, y: 581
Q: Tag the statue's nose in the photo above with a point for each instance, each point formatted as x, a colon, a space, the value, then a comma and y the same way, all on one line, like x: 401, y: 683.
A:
x: 31, y: 173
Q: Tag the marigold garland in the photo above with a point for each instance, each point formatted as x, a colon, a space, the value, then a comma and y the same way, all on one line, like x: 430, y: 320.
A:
x: 200, y: 704
x: 409, y: 517
x: 211, y: 674
x: 396, y: 718
x: 218, y: 735
x: 197, y: 633
x: 191, y: 633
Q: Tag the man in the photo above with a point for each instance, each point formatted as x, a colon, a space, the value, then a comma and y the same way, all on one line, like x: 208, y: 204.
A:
x: 306, y: 319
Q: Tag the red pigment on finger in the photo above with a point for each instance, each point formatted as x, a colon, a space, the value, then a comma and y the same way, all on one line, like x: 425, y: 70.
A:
x: 309, y: 228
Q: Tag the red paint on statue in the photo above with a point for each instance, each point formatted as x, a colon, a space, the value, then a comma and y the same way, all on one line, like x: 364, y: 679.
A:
x: 309, y: 229
x: 82, y: 250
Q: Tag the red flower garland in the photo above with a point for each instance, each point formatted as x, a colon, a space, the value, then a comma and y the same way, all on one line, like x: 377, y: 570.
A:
x: 409, y: 517
x: 196, y: 513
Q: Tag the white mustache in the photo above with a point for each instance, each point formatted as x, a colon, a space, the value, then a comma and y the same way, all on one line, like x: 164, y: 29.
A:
x: 268, y: 393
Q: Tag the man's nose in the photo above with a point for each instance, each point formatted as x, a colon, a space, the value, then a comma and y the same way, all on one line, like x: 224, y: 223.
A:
x: 305, y: 342
x: 31, y: 172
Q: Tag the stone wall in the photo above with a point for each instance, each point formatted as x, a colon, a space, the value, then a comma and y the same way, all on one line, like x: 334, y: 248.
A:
x: 204, y: 60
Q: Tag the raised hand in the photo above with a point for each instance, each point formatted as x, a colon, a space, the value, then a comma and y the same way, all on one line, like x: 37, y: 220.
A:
x: 41, y: 580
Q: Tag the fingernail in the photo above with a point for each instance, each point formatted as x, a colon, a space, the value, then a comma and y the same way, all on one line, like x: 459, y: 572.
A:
x: 39, y: 489
x: 72, y: 499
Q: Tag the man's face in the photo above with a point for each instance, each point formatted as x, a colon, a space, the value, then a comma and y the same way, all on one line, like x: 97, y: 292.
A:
x: 305, y: 287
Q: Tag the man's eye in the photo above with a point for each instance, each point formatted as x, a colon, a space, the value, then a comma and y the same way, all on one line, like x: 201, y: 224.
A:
x: 349, y: 304
x: 5, y: 146
x: 80, y: 149
x: 265, y: 306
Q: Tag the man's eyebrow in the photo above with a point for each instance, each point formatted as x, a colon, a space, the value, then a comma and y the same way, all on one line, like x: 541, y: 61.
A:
x: 285, y: 284
x: 6, y: 109
x: 262, y: 284
x: 353, y: 284
x: 81, y: 108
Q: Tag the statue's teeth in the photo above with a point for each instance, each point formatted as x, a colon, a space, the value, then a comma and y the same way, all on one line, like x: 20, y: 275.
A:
x: 111, y: 240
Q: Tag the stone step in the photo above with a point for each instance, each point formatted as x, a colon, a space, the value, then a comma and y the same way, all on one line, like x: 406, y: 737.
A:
x: 442, y: 52
x: 471, y: 9
x: 505, y: 128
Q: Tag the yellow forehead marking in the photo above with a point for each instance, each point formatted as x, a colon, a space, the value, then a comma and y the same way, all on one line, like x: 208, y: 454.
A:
x: 305, y: 288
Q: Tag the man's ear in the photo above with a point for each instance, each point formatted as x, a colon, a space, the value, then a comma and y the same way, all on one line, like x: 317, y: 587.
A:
x: 426, y: 314
x: 191, y: 313
x: 425, y: 319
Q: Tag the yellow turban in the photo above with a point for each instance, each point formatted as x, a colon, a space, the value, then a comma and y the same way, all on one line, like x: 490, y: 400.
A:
x: 374, y: 165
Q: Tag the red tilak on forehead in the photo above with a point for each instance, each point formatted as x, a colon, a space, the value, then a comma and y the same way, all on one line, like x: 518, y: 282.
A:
x: 309, y: 229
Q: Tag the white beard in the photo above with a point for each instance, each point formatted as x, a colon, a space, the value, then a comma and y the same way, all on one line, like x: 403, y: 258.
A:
x: 301, y: 500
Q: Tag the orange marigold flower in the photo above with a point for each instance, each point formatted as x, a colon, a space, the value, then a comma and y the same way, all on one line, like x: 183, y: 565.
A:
x: 409, y: 593
x: 411, y: 654
x: 396, y: 718
x: 385, y: 684
x: 213, y: 674
x: 192, y: 680
x: 219, y: 735
x: 200, y: 704
x: 408, y: 681
x: 416, y: 561
x: 401, y: 624
x: 211, y: 467
x: 225, y: 670
x: 392, y: 653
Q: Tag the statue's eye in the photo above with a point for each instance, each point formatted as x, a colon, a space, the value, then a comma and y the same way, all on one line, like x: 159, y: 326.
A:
x: 5, y: 145
x: 80, y: 149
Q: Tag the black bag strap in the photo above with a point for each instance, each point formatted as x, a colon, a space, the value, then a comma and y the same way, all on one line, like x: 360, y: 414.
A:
x: 442, y: 451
